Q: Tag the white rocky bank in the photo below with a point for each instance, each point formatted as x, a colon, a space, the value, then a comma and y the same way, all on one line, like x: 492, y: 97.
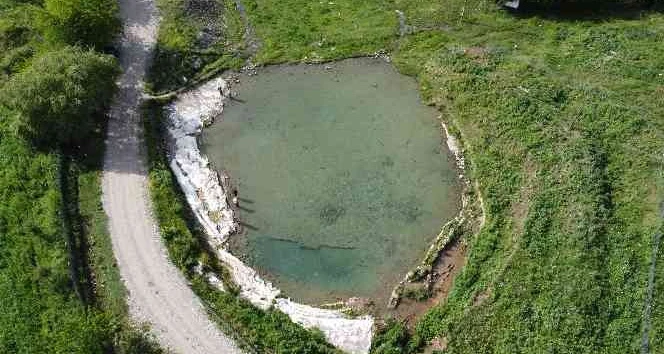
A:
x: 187, y: 116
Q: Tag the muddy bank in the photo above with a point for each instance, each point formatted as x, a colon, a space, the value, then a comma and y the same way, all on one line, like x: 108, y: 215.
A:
x: 432, y: 279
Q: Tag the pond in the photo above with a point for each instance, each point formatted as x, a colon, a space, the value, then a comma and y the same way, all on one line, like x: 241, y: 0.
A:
x: 343, y: 176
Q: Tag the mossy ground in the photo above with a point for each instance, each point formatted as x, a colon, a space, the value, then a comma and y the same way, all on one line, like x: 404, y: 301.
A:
x: 561, y: 116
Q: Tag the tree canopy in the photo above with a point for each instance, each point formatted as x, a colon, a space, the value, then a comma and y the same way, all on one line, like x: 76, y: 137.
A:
x: 59, y: 97
x: 84, y: 22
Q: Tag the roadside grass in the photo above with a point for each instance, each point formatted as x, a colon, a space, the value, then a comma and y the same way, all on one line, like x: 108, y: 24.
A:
x: 657, y: 316
x: 256, y: 330
x: 562, y: 120
x: 40, y: 310
x: 110, y: 292
x: 110, y: 295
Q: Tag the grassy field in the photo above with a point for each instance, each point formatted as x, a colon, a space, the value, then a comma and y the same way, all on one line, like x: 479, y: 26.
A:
x: 561, y: 121
x: 320, y: 30
x: 43, y: 308
x: 561, y: 118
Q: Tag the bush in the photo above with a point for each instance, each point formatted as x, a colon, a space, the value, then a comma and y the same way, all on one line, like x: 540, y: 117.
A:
x: 391, y: 340
x: 84, y: 22
x: 61, y: 94
x: 591, y: 5
x: 419, y: 293
x: 135, y: 340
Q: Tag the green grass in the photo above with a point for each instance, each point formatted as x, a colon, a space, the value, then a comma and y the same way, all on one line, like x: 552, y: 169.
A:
x: 561, y: 122
x: 59, y: 287
x: 314, y: 31
x: 561, y: 118
x: 40, y: 310
x: 657, y: 316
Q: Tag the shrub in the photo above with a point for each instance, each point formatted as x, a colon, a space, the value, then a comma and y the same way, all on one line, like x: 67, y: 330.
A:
x: 84, y: 22
x: 419, y: 293
x: 61, y: 94
x: 592, y: 5
x: 391, y: 340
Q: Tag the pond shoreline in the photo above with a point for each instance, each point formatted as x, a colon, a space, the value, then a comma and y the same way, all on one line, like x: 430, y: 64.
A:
x: 204, y: 190
x: 187, y: 116
x: 470, y: 219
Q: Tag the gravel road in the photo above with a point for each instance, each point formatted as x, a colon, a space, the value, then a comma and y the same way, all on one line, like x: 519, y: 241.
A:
x: 158, y: 293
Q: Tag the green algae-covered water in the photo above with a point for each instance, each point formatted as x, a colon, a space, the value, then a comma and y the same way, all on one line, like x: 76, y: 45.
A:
x: 343, y: 176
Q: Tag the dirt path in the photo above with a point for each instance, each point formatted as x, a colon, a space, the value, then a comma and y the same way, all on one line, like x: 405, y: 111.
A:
x: 158, y: 293
x: 447, y: 267
x: 250, y: 38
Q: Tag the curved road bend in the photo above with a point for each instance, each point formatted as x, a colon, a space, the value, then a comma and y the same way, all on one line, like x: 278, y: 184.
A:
x: 158, y: 293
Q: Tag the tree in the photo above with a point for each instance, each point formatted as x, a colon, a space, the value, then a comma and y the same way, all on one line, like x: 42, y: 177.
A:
x: 82, y: 22
x: 588, y: 4
x: 60, y: 98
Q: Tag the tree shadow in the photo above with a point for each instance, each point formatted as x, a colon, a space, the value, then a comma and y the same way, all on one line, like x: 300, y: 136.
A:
x: 245, y: 200
x: 248, y: 226
x: 245, y: 209
x: 587, y: 11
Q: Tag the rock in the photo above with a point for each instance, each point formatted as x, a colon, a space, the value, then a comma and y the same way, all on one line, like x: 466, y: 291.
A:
x: 359, y: 304
x: 197, y: 63
x: 395, y: 297
x: 438, y: 344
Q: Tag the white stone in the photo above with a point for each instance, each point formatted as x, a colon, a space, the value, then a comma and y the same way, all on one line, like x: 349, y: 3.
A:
x: 200, y: 183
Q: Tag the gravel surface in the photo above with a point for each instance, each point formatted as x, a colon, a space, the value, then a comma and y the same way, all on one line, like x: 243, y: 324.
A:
x: 158, y: 293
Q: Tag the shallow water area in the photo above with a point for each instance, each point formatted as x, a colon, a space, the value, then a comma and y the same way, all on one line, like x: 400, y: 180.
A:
x: 343, y: 176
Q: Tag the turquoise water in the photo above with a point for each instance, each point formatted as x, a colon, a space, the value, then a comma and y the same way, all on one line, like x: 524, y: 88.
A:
x: 343, y: 176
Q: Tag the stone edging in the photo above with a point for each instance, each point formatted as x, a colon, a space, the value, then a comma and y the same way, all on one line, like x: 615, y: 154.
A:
x: 204, y: 191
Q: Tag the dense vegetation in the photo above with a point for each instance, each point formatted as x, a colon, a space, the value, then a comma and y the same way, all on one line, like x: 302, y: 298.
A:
x: 392, y: 339
x: 60, y: 97
x: 83, y: 22
x: 560, y: 115
x: 59, y: 291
